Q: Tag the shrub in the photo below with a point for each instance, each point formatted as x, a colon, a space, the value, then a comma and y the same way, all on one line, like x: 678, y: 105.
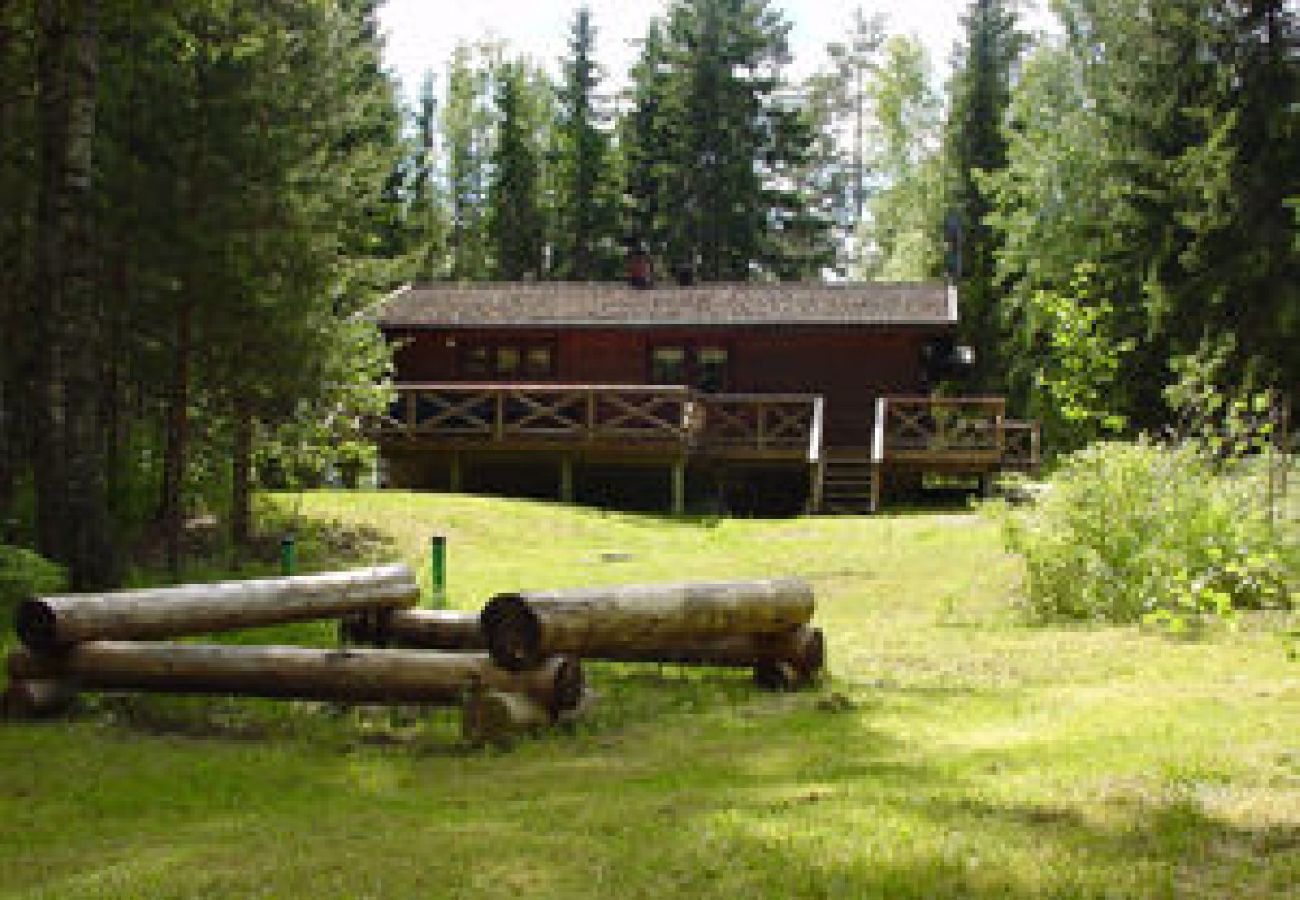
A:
x: 1133, y: 532
x: 23, y: 574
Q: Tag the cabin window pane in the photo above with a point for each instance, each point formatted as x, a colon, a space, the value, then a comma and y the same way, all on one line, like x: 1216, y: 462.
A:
x: 668, y: 365
x: 474, y: 362
x: 711, y: 369
x: 508, y: 361
x: 538, y: 361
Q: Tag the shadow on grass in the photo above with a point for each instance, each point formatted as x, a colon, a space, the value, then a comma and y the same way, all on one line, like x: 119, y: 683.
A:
x: 747, y: 796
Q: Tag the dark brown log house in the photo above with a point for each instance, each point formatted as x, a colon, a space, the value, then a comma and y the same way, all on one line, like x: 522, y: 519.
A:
x: 820, y: 391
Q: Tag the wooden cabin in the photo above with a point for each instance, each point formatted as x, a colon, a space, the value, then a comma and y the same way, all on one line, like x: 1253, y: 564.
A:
x: 817, y: 395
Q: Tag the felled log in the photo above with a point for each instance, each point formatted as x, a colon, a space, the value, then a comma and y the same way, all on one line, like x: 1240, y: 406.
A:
x: 429, y: 629
x: 36, y: 698
x: 45, y: 623
x: 492, y: 716
x: 599, y: 623
x: 791, y: 659
x: 379, y: 676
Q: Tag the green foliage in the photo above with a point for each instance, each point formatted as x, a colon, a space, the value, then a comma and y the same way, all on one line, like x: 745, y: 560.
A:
x: 515, y: 225
x: 468, y: 132
x: 975, y: 144
x: 1138, y: 532
x: 901, y: 236
x: 1226, y: 423
x: 586, y: 214
x: 720, y: 174
x: 23, y: 574
x: 1079, y: 360
x: 1150, y: 143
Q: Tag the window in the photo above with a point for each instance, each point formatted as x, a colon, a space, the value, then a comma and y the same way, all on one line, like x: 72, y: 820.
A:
x: 705, y: 368
x: 668, y: 365
x: 711, y: 369
x: 507, y: 361
x: 538, y: 361
x: 474, y: 362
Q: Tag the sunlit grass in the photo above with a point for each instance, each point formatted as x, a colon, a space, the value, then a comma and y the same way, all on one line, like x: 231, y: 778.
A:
x: 966, y: 754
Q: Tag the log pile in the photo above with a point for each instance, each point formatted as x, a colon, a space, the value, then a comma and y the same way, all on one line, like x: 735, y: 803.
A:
x: 513, y: 667
x: 759, y: 624
x: 48, y: 623
x: 749, y: 624
x: 428, y: 629
x: 103, y: 643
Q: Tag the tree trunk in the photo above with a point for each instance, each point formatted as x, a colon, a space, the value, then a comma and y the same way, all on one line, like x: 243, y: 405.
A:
x: 241, y: 465
x: 72, y: 507
x: 172, y: 509
x: 48, y: 623
x: 523, y: 628
x: 379, y: 676
x: 429, y: 629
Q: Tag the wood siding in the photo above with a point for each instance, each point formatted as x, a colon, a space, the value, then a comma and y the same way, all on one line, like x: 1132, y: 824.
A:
x: 849, y: 366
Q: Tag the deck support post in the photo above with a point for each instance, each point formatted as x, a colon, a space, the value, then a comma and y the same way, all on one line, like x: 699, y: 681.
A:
x: 679, y: 487
x: 455, y: 477
x: 877, y: 473
x: 817, y: 479
x: 566, y: 479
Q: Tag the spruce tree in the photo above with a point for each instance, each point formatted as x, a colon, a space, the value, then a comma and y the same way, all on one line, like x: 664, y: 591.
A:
x: 515, y: 221
x: 585, y: 233
x: 975, y: 146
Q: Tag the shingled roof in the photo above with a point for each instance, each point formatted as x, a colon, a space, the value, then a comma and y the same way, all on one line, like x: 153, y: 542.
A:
x: 549, y: 304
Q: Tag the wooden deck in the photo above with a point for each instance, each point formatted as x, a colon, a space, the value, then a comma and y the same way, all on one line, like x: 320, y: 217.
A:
x: 673, y: 424
x: 672, y: 420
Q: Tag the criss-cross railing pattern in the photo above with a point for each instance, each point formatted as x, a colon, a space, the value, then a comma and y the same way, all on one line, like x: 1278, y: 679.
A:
x: 555, y: 412
x: 936, y: 427
x: 759, y: 421
x: 1022, y: 445
x: 757, y: 426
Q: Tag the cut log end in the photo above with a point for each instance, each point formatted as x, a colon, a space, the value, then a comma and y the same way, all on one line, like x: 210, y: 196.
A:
x: 569, y: 684
x: 513, y: 633
x: 497, y: 717
x: 797, y: 670
x: 36, y: 624
x: 37, y: 698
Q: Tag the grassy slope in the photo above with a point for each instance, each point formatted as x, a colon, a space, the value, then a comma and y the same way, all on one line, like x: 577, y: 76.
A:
x: 978, y: 757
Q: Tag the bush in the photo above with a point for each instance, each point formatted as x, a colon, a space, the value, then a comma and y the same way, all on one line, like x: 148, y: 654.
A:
x: 24, y: 574
x: 1132, y: 532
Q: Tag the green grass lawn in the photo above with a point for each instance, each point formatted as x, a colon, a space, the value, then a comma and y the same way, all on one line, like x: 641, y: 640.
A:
x: 955, y: 751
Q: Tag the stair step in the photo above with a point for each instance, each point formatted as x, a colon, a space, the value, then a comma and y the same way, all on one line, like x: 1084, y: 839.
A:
x: 848, y: 484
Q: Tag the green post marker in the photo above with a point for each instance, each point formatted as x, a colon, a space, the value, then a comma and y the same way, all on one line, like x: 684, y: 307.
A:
x: 287, y: 551
x: 438, y: 568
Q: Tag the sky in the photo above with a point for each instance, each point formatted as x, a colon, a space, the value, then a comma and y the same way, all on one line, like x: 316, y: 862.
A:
x: 421, y: 33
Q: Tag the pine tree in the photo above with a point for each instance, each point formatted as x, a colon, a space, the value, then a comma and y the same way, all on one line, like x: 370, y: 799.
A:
x: 722, y: 173
x: 515, y: 221
x: 975, y: 146
x: 644, y: 144
x: 585, y: 234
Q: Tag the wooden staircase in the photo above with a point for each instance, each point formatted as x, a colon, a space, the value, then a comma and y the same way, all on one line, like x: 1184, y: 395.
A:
x: 849, y: 485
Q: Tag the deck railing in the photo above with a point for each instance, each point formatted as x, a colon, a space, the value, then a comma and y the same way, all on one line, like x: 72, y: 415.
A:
x: 1022, y: 447
x: 765, y: 424
x: 502, y: 412
x: 910, y: 430
x: 966, y: 430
